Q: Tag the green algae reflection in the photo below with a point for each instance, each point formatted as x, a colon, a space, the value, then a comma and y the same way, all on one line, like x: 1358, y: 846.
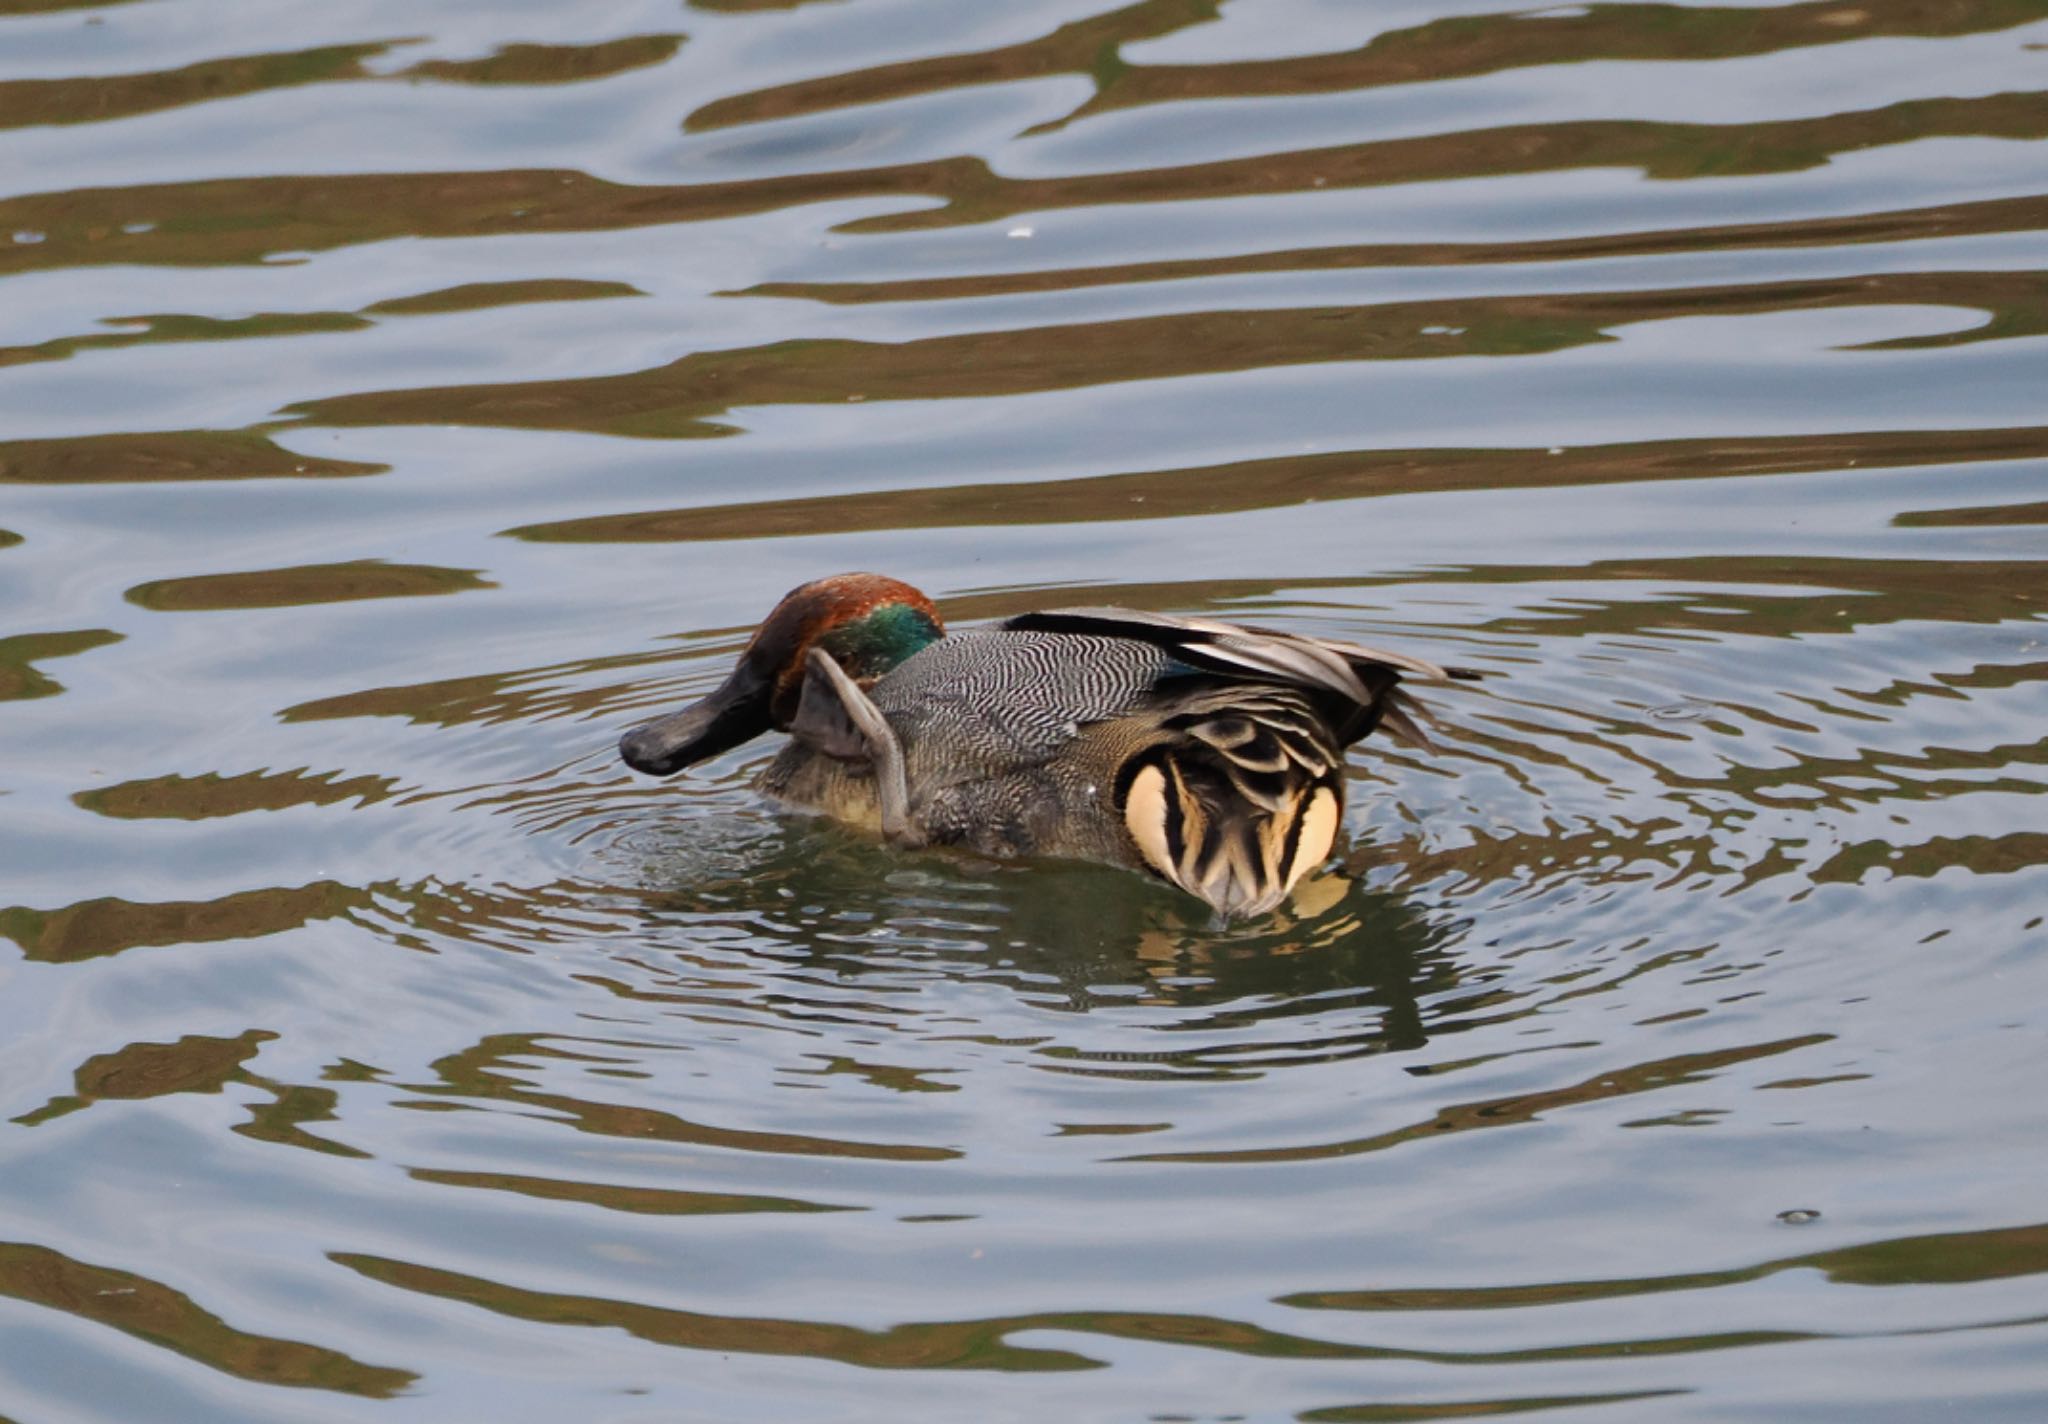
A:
x: 169, y: 1319
x: 305, y: 584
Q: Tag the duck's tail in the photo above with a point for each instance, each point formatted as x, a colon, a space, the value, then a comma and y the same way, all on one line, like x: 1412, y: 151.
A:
x: 1239, y: 799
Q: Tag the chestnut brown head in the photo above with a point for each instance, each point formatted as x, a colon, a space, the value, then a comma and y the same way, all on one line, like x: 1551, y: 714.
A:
x: 868, y: 623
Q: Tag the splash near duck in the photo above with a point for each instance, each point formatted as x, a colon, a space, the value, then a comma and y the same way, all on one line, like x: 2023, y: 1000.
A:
x: 1207, y: 754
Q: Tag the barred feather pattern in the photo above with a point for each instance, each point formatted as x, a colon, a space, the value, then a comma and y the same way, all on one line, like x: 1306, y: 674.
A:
x: 995, y: 698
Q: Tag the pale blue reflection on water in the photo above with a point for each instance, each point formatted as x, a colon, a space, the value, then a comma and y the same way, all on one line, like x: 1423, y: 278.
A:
x: 373, y: 1043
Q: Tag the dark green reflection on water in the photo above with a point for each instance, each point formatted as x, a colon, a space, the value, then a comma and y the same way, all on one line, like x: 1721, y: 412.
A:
x: 481, y: 296
x: 1862, y: 228
x: 1952, y: 1258
x: 283, y: 1119
x: 983, y: 1343
x: 683, y: 399
x: 522, y: 695
x: 1992, y: 215
x: 1869, y: 592
x: 1084, y: 46
x: 169, y: 1319
x: 247, y: 219
x: 894, y: 1077
x: 1451, y: 48
x: 198, y: 1063
x: 151, y: 457
x: 410, y: 914
x: 743, y: 7
x: 1470, y: 1408
x: 92, y: 929
x: 493, y: 1071
x: 974, y: 1344
x: 1981, y: 516
x: 640, y: 1201
x: 19, y: 676
x: 305, y: 584
x: 2008, y: 854
x: 1470, y: 45
x: 210, y: 796
x: 1656, y: 150
x: 552, y: 64
x: 1290, y: 480
x: 1661, y: 1073
x: 100, y: 97
x: 45, y: 7
x: 155, y: 330
x: 953, y: 1344
x: 118, y: 96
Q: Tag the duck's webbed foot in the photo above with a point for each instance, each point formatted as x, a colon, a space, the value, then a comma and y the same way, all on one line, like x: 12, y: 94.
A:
x: 837, y: 719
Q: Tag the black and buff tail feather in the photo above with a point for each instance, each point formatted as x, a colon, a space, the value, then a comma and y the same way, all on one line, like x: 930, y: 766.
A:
x: 1239, y: 799
x: 1242, y: 792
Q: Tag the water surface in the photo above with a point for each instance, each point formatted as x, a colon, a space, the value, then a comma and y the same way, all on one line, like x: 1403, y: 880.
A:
x: 397, y: 404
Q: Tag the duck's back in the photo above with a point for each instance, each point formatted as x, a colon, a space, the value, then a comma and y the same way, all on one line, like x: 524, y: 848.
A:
x: 1001, y: 698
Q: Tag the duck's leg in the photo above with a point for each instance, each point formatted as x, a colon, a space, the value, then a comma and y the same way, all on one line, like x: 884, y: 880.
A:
x: 835, y: 717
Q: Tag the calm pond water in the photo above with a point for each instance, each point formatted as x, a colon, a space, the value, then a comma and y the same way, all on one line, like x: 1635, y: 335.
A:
x: 398, y: 402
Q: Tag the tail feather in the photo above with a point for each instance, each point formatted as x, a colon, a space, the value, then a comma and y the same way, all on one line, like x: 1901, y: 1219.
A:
x: 1239, y: 790
x: 1398, y: 711
x: 1237, y: 804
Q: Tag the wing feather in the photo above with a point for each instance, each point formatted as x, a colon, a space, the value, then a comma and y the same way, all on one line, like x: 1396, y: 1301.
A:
x: 1292, y: 657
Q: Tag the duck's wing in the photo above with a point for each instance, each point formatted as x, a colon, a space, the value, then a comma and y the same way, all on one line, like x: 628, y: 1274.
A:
x: 1292, y: 656
x: 1364, y: 678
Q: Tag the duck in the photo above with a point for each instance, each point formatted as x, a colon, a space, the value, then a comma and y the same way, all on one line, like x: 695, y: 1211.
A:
x: 1206, y: 754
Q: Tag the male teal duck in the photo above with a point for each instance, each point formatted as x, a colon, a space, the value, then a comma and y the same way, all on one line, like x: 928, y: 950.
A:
x: 1207, y: 754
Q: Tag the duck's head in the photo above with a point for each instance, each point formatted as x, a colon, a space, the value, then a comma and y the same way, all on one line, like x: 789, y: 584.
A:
x: 869, y: 624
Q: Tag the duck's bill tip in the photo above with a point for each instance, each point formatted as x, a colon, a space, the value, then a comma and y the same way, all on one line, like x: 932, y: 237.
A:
x: 648, y: 752
x: 654, y: 751
x: 736, y: 713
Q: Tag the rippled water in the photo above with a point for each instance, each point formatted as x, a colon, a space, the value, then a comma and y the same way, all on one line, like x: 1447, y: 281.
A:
x: 396, y: 404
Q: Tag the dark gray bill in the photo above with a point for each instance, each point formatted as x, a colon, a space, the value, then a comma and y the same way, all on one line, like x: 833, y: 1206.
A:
x: 737, y: 712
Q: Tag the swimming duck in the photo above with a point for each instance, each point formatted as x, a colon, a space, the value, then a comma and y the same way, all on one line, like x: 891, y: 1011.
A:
x: 1204, y: 753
